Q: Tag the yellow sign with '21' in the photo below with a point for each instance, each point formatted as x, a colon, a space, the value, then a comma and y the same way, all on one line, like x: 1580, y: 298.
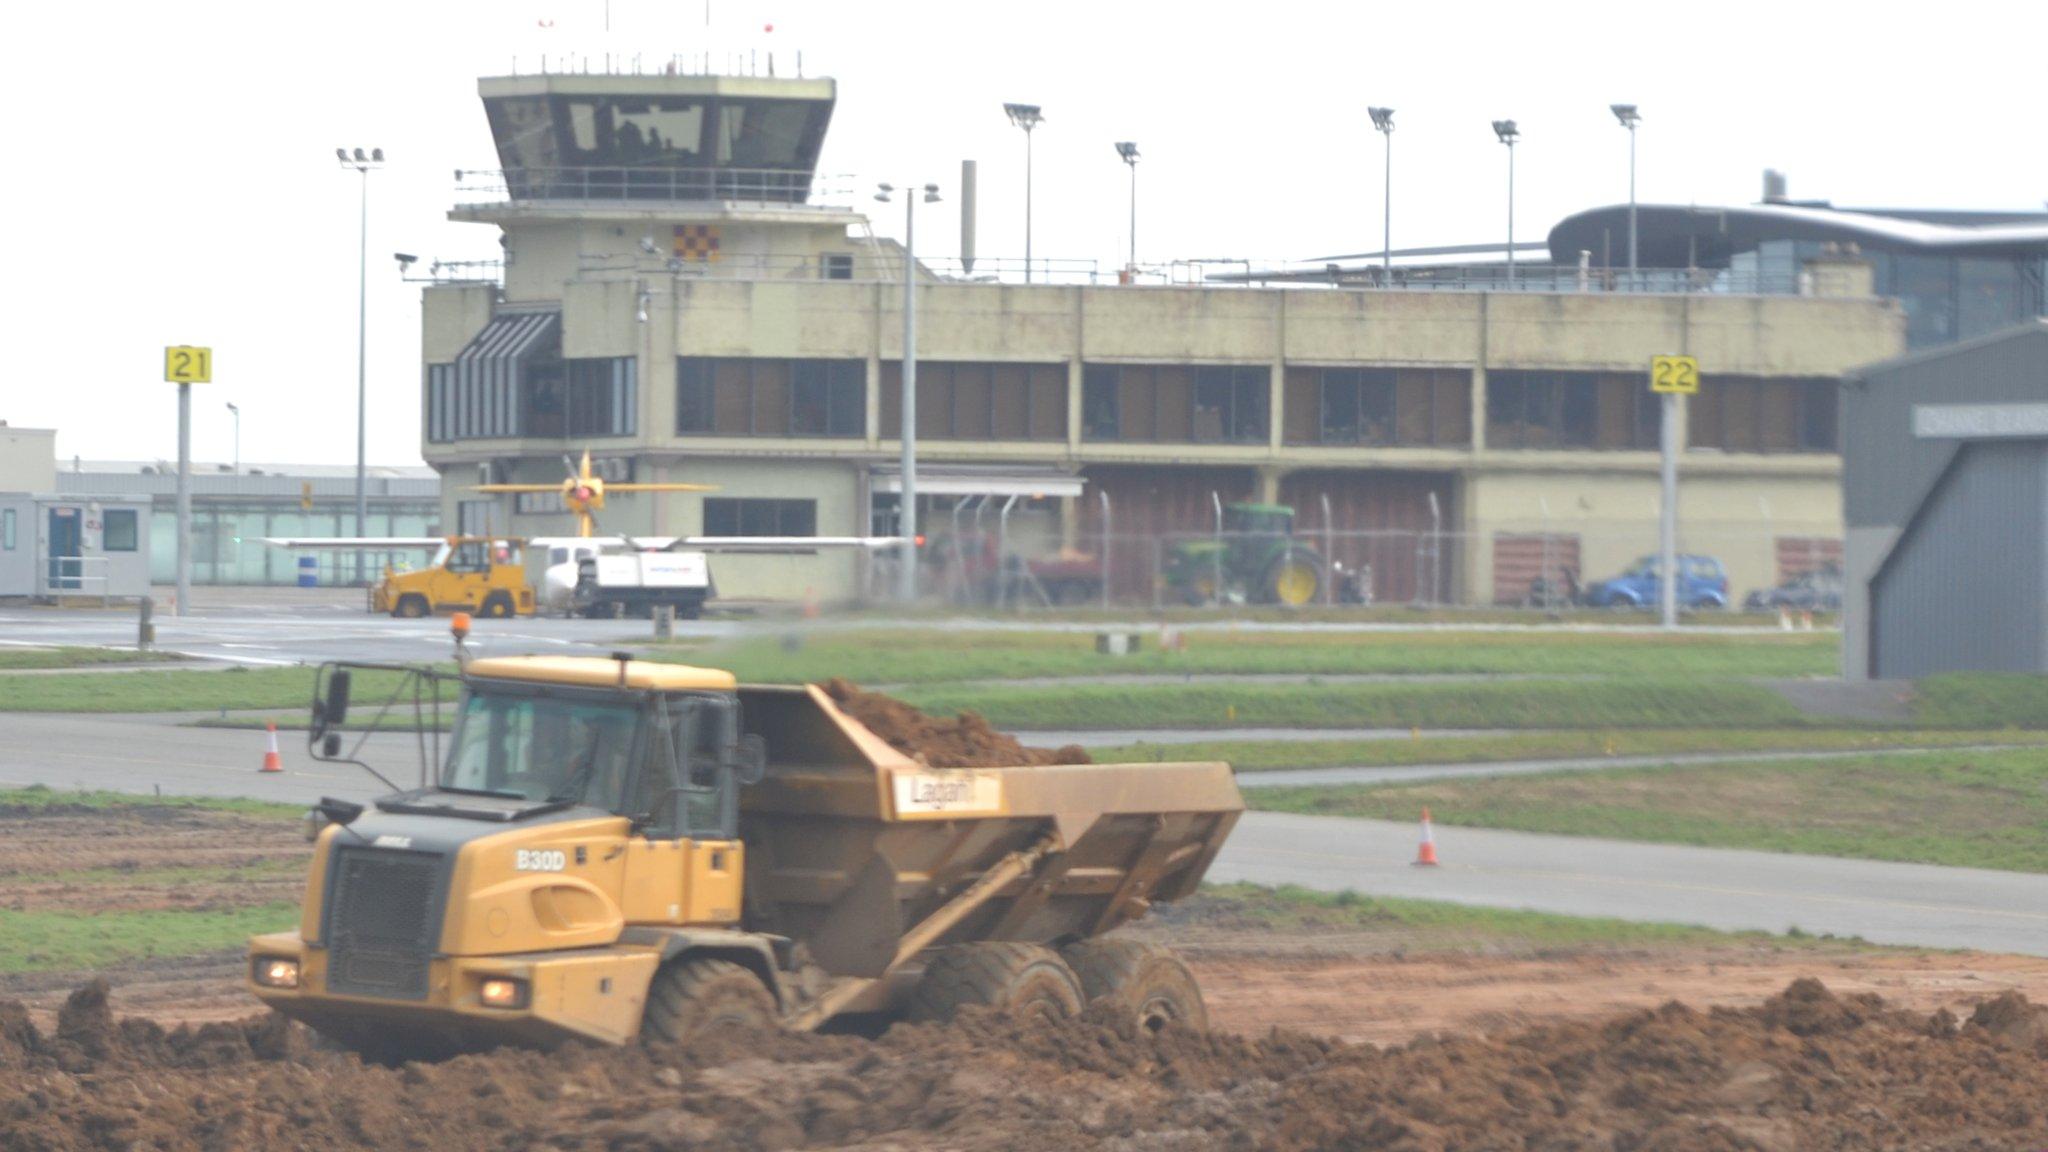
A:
x: 1679, y: 374
x: 185, y: 364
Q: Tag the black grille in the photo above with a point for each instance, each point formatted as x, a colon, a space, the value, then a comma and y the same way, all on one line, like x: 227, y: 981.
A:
x: 383, y: 918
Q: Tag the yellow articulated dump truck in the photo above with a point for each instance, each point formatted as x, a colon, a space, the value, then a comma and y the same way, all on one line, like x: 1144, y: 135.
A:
x: 610, y: 849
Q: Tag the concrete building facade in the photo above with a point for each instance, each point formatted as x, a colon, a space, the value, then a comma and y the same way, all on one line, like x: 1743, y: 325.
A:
x: 688, y: 321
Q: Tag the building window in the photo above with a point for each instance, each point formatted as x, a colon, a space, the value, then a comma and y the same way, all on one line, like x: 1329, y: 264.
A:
x: 979, y: 401
x: 475, y: 517
x: 1597, y: 410
x: 1176, y: 403
x: 729, y: 516
x: 120, y: 534
x: 1749, y: 414
x: 1378, y: 406
x: 6, y: 529
x: 836, y: 266
x: 770, y: 397
x: 538, y: 503
x: 600, y: 397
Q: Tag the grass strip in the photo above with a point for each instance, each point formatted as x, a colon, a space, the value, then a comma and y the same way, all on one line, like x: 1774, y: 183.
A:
x: 1982, y: 700
x: 1497, y: 704
x: 185, y: 690
x: 37, y: 796
x: 1280, y: 755
x: 934, y: 657
x: 1435, y: 924
x: 63, y: 941
x: 1980, y: 810
x: 12, y: 659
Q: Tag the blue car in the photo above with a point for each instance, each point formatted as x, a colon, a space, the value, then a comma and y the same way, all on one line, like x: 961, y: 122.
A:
x: 1702, y: 583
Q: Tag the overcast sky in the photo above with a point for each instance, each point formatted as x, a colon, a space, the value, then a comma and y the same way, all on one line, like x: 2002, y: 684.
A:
x: 173, y: 177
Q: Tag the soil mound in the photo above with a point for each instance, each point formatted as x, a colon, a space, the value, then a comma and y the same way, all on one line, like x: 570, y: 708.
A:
x: 1806, y: 1069
x: 965, y: 741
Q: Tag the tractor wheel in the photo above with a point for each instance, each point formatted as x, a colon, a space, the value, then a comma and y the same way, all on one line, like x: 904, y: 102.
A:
x: 497, y: 606
x: 1146, y: 980
x: 1024, y: 980
x: 1293, y: 580
x: 693, y: 997
x: 412, y: 606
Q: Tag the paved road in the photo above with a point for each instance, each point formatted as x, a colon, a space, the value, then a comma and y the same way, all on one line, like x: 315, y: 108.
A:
x: 1910, y: 904
x: 1887, y: 903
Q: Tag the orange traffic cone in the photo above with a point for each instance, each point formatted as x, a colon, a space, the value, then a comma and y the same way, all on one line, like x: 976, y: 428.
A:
x: 272, y: 762
x: 1425, y: 856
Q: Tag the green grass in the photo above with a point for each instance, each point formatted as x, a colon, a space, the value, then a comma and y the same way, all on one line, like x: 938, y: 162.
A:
x: 64, y: 941
x: 43, y: 796
x: 1982, y: 700
x: 71, y: 657
x: 1278, y: 755
x: 188, y: 690
x: 1983, y: 810
x: 934, y: 657
x: 1436, y: 924
x: 1596, y: 705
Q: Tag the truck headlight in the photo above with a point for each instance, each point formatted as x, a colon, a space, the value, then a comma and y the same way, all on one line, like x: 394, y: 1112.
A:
x: 276, y: 972
x: 500, y: 992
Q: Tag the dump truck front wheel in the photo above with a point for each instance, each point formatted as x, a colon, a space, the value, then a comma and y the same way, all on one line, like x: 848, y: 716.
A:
x: 411, y: 606
x: 1147, y: 981
x: 691, y: 998
x: 1024, y: 980
x: 497, y: 606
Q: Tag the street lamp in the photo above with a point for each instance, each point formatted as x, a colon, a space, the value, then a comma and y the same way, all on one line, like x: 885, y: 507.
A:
x: 906, y: 517
x: 363, y: 165
x: 1383, y: 123
x: 1508, y: 133
x: 1629, y: 117
x: 1027, y: 117
x: 238, y: 437
x: 1129, y: 151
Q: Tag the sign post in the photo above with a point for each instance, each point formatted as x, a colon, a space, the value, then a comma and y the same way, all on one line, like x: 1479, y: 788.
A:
x: 185, y: 365
x: 1670, y: 377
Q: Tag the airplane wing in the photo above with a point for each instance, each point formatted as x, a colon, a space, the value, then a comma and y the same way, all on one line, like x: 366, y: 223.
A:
x: 657, y: 487
x: 355, y: 543
x: 781, y: 545
x: 555, y: 487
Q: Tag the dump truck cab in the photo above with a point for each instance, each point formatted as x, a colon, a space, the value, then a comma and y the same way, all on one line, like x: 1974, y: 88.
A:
x: 479, y: 574
x: 617, y: 847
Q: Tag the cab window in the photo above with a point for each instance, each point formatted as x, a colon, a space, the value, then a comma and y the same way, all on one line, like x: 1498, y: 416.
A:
x: 470, y: 556
x: 542, y: 749
x: 685, y: 784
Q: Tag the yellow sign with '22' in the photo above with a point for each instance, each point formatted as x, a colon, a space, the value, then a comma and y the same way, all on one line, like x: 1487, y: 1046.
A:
x: 1679, y: 374
x: 185, y: 364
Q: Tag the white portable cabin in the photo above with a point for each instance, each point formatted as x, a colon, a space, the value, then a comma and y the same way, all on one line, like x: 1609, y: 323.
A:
x: 56, y: 547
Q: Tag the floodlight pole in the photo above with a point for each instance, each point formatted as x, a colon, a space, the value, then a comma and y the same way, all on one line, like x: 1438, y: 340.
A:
x: 1508, y: 133
x: 1129, y: 151
x: 906, y: 526
x: 1027, y: 117
x: 1383, y: 123
x: 362, y: 164
x: 1629, y: 117
x: 1667, y: 527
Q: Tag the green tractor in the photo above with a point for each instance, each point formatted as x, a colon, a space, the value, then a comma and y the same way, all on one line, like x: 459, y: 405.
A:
x: 1255, y: 559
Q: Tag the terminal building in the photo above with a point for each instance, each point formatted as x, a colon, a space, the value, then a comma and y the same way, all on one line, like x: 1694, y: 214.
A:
x: 686, y: 298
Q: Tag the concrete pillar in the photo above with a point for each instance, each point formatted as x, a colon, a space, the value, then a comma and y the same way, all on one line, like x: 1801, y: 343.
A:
x: 1266, y: 488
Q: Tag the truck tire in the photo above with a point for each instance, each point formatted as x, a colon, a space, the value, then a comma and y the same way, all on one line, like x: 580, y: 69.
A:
x: 497, y: 606
x: 690, y: 998
x: 1150, y: 982
x: 1024, y: 980
x: 412, y: 606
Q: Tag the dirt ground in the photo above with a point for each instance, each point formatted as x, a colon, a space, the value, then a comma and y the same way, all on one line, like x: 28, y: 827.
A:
x: 963, y: 741
x: 1325, y: 1037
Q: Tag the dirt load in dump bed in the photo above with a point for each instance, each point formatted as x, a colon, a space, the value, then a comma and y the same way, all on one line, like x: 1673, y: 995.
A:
x: 1805, y: 1069
x: 965, y: 741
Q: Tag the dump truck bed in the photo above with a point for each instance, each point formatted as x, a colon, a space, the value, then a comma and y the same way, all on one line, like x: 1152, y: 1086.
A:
x: 851, y: 843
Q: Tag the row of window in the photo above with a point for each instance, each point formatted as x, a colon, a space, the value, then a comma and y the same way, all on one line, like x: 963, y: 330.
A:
x: 545, y: 396
x: 1135, y: 403
x: 1615, y: 411
x: 118, y: 532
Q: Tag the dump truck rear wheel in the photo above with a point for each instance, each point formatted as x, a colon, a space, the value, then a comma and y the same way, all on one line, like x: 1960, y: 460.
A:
x: 1023, y: 980
x: 1146, y: 980
x: 695, y: 997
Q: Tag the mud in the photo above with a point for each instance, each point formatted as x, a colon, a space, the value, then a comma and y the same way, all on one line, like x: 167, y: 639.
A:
x: 965, y: 741
x: 1805, y: 1069
x: 157, y: 857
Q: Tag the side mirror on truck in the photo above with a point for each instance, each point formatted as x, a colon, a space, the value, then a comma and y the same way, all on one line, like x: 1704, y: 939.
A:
x: 331, y: 710
x: 750, y: 759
